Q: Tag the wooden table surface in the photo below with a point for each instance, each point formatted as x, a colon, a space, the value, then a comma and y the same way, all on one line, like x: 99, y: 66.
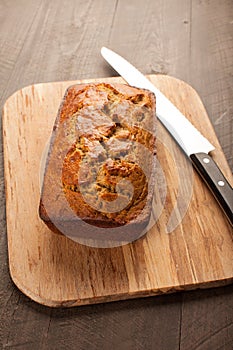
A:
x: 43, y: 41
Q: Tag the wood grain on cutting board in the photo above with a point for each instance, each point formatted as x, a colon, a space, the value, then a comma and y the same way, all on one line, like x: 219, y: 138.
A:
x: 56, y: 271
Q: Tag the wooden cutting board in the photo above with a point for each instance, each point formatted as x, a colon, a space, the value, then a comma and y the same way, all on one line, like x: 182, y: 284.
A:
x: 56, y: 271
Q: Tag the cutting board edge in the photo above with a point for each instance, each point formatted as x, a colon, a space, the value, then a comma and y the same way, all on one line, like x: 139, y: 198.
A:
x: 117, y: 297
x: 58, y: 82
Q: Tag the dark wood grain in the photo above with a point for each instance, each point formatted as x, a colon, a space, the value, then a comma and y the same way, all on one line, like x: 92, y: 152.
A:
x: 211, y: 65
x: 207, y: 319
x: 60, y: 40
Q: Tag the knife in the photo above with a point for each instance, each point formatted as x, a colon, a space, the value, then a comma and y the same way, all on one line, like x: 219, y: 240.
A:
x: 193, y: 143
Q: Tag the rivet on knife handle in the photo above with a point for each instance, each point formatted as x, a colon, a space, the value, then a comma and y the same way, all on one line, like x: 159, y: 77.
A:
x: 216, y: 181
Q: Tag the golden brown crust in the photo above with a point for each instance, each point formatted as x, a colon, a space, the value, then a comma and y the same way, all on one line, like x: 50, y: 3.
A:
x: 102, y: 147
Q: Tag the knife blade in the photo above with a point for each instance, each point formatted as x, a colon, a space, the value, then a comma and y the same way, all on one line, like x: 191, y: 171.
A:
x: 193, y: 143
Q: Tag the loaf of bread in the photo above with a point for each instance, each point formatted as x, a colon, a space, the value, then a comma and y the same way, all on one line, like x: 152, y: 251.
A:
x: 100, y: 167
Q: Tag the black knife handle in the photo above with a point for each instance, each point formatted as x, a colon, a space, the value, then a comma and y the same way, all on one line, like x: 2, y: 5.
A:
x: 216, y: 181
